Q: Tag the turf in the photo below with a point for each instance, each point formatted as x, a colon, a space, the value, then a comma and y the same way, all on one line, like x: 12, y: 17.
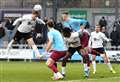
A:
x: 38, y: 72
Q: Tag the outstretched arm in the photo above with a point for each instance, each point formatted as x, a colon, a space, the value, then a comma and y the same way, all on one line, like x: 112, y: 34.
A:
x: 17, y: 21
x: 90, y: 42
x: 40, y: 21
x: 105, y: 38
x: 50, y: 40
x: 49, y: 44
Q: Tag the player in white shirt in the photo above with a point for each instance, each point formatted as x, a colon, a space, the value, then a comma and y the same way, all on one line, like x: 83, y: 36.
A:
x: 96, y: 44
x: 73, y: 43
x: 24, y: 30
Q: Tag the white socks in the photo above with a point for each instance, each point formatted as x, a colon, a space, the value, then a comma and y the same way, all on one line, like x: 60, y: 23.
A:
x: 63, y: 70
x: 10, y: 44
x: 85, y: 67
x: 36, y: 50
x: 94, y: 66
x: 59, y: 75
x: 55, y: 75
x: 110, y: 66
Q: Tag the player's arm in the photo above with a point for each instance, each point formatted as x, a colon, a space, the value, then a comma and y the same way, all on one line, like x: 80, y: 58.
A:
x: 49, y: 44
x: 17, y: 21
x: 40, y: 21
x: 104, y: 37
x: 90, y: 42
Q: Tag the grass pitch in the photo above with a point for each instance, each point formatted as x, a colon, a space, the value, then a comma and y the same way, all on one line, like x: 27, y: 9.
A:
x: 39, y: 72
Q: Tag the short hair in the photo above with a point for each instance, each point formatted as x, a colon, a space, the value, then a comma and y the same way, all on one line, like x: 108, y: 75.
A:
x: 67, y: 32
x: 35, y: 12
x: 50, y: 23
x: 98, y: 25
x: 66, y: 13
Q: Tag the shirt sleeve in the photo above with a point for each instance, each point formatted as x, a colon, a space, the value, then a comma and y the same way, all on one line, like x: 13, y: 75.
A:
x: 104, y: 37
x: 40, y: 21
x: 18, y: 21
x: 90, y: 42
x: 83, y: 22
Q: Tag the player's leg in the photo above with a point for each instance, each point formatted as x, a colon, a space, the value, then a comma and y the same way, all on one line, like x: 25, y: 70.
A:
x: 86, y: 61
x: 107, y: 61
x: 55, y: 64
x: 55, y: 56
x: 16, y: 37
x: 94, y: 52
x: 69, y: 53
x: 64, y: 62
x: 50, y: 63
x: 34, y: 47
x: 94, y: 63
x: 10, y: 44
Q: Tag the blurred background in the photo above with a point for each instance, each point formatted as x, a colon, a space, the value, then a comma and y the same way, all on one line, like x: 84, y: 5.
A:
x: 91, y: 10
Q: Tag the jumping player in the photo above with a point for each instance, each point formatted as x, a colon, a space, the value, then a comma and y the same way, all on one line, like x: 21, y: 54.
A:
x: 57, y: 45
x: 24, y: 30
x: 96, y: 43
x: 72, y: 23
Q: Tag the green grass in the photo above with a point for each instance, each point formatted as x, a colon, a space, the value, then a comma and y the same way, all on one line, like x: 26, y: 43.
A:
x: 38, y: 72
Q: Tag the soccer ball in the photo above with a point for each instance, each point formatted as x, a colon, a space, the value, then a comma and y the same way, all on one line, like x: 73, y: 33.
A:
x: 37, y: 7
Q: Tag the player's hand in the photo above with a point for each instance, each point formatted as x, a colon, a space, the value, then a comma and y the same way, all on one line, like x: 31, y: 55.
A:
x: 89, y: 49
x: 39, y: 56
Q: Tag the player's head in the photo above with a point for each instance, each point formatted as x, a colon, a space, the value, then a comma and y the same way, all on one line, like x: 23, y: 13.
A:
x: 82, y: 26
x: 50, y: 24
x: 103, y: 29
x: 35, y: 14
x: 65, y: 16
x: 37, y: 8
x: 67, y: 32
x: 97, y: 28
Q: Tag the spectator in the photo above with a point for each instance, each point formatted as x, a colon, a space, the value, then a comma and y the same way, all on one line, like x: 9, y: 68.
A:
x: 117, y: 26
x: 40, y: 34
x: 106, y: 34
x: 10, y: 28
x: 2, y: 34
x: 114, y: 35
x: 103, y: 22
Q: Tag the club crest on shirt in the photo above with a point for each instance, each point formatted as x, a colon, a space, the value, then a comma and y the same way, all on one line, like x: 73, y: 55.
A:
x: 95, y: 39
